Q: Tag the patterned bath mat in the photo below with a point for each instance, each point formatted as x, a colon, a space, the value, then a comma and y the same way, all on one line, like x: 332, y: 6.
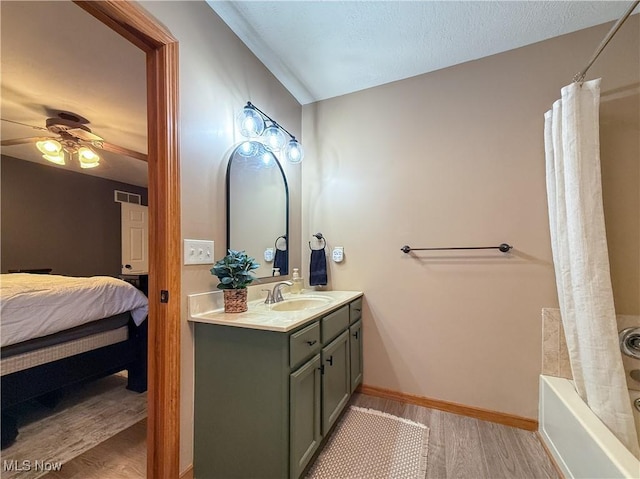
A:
x: 87, y: 415
x: 372, y: 444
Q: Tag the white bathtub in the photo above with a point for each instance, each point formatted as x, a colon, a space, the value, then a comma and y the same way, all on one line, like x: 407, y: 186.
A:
x: 581, y: 444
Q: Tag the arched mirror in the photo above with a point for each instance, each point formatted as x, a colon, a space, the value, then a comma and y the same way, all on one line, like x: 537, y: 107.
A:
x: 258, y: 207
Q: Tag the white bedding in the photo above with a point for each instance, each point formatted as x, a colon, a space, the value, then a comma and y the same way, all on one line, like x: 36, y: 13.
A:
x: 36, y: 305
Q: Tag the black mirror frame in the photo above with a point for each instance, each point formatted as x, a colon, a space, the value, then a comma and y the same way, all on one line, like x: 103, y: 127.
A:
x: 228, y: 199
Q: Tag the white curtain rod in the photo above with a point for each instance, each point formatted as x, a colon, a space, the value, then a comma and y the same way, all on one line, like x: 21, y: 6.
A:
x: 579, y: 77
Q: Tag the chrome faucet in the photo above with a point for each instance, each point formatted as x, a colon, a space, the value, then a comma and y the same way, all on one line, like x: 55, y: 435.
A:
x: 269, y: 298
x: 276, y: 297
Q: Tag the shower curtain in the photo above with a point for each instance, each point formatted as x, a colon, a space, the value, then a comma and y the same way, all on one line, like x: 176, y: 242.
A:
x: 580, y: 257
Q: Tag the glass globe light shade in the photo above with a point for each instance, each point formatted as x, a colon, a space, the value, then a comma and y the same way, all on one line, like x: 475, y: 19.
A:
x: 294, y: 151
x: 57, y: 158
x: 274, y: 138
x: 250, y: 122
x: 268, y: 160
x: 51, y: 151
x: 88, y: 158
x: 249, y: 148
x: 49, y: 147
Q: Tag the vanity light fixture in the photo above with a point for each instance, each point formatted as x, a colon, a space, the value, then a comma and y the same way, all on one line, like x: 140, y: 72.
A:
x: 253, y: 122
x: 54, y: 151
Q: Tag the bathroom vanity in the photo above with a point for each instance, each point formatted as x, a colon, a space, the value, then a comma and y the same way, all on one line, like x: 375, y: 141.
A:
x: 270, y: 383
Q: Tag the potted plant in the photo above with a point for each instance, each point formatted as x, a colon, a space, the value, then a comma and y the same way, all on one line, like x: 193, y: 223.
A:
x: 235, y: 272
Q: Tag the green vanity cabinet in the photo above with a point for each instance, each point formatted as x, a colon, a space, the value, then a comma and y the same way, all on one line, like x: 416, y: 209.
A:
x: 305, y: 430
x: 355, y: 310
x: 336, y: 385
x: 355, y: 342
x: 241, y: 410
x: 264, y: 399
x: 355, y: 350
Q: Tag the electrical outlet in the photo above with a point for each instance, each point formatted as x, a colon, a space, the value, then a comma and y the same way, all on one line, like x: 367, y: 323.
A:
x: 198, y: 252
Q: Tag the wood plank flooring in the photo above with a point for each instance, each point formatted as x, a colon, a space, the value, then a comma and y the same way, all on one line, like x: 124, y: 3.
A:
x: 464, y: 447
x: 459, y: 447
x: 124, y: 456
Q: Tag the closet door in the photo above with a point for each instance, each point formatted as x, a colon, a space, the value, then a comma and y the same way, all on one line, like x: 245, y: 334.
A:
x: 135, y: 238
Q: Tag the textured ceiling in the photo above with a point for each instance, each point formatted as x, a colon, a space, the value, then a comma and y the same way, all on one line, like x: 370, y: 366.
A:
x: 55, y: 56
x: 323, y: 49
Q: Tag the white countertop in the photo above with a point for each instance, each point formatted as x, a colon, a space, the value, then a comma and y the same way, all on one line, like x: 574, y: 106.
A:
x: 261, y: 316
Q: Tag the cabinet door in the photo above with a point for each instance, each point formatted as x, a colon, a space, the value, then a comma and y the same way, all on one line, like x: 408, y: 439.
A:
x: 355, y: 349
x: 336, y: 387
x: 304, y: 422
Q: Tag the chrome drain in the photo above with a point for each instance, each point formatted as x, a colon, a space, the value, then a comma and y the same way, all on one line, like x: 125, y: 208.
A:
x: 636, y: 404
x: 630, y: 342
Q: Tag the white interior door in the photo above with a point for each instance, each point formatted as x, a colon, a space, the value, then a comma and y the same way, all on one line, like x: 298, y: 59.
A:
x: 135, y: 239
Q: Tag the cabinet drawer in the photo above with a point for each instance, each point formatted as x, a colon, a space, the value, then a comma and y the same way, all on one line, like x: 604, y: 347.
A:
x: 304, y: 344
x: 334, y: 323
x: 355, y: 310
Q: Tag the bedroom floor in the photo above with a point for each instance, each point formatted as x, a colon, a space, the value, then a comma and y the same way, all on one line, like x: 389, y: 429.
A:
x: 459, y: 447
x: 124, y: 456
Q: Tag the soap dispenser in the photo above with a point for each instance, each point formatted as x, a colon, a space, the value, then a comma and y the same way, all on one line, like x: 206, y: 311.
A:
x: 296, y: 279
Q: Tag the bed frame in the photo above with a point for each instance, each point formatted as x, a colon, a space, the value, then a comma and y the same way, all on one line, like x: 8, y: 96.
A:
x: 21, y: 386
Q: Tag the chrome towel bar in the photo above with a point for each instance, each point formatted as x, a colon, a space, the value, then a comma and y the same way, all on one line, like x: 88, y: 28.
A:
x: 504, y: 247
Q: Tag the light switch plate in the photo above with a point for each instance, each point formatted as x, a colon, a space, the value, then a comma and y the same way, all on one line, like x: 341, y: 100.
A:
x: 269, y: 255
x: 338, y: 254
x: 198, y: 252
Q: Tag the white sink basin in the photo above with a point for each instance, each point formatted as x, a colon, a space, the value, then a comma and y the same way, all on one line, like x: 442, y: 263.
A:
x: 300, y: 304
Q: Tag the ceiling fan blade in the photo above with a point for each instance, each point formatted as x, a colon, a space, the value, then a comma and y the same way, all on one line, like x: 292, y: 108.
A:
x: 84, y: 134
x: 24, y: 124
x: 120, y: 150
x: 21, y: 141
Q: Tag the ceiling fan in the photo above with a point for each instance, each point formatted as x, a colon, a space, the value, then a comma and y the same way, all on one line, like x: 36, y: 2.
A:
x: 73, y: 138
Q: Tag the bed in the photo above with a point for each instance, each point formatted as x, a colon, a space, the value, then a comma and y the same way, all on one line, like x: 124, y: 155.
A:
x: 56, y: 331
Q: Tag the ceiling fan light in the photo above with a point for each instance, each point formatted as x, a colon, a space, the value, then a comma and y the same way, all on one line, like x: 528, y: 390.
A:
x: 57, y: 158
x: 85, y: 164
x: 88, y: 155
x: 88, y: 158
x: 49, y: 147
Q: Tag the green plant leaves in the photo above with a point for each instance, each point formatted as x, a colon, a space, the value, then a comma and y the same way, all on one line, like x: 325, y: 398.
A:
x: 235, y: 270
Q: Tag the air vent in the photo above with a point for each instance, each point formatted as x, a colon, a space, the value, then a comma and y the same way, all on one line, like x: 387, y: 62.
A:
x: 126, y: 197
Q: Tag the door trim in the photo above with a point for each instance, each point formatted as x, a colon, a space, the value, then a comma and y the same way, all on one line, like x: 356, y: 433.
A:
x: 135, y: 24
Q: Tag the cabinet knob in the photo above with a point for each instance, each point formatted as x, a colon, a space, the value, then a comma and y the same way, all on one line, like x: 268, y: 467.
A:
x: 330, y: 360
x: 311, y: 343
x: 355, y: 335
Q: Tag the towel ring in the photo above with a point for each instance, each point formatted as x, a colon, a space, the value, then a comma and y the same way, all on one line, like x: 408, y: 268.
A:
x: 319, y: 237
x: 275, y: 244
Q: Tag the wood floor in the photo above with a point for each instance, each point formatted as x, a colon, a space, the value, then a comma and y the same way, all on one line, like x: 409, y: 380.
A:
x: 124, y: 456
x: 464, y: 447
x: 459, y: 447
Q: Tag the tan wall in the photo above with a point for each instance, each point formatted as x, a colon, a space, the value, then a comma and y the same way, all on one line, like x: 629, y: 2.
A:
x: 450, y: 158
x: 620, y: 160
x: 218, y: 74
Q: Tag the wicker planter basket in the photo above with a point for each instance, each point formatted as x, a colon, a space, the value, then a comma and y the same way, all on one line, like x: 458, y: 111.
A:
x: 235, y: 300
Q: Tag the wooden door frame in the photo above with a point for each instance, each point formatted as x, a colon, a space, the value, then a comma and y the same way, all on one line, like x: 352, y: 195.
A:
x: 161, y: 48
